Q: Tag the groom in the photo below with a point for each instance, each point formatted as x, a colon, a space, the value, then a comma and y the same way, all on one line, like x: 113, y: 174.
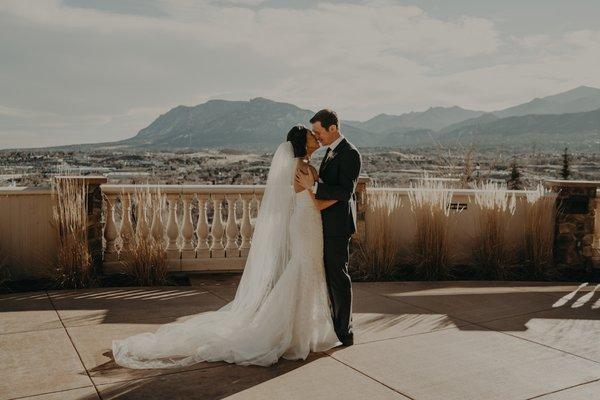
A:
x: 338, y: 175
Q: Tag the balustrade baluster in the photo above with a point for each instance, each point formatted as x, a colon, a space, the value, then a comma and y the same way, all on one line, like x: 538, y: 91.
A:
x: 245, y: 226
x: 172, y: 228
x: 231, y: 248
x: 187, y: 229
x: 202, y: 249
x: 126, y: 225
x: 216, y: 230
x: 142, y: 230
x: 157, y: 228
x: 110, y: 230
x: 257, y: 200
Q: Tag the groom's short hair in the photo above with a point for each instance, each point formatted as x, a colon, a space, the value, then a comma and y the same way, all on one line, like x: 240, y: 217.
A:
x: 326, y: 117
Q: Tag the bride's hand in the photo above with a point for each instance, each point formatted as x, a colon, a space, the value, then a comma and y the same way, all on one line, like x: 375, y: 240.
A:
x: 304, y: 180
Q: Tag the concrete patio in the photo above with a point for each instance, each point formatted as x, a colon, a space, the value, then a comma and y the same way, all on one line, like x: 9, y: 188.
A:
x: 414, y: 340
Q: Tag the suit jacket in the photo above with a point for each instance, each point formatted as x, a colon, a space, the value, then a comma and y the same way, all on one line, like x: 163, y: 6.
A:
x: 339, y: 176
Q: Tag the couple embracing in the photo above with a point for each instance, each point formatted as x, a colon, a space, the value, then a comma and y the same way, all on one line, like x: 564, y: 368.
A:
x: 295, y: 294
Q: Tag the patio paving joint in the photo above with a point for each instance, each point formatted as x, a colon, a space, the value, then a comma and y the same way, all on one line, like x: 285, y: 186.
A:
x: 31, y: 330
x: 563, y: 389
x: 73, y: 344
x: 538, y: 343
x: 373, y: 379
x: 29, y: 396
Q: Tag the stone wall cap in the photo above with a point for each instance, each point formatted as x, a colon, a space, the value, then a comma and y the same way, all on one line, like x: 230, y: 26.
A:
x: 457, y: 192
x: 24, y: 190
x: 570, y: 183
x: 89, y: 179
x: 116, y: 189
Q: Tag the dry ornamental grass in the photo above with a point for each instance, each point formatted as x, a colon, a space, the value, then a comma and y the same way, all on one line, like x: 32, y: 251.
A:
x: 491, y: 251
x: 431, y: 251
x: 145, y: 258
x: 378, y: 253
x: 539, y: 232
x: 73, y: 268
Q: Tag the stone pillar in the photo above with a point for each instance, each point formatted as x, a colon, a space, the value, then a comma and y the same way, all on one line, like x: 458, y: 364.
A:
x: 361, y: 204
x: 94, y: 215
x: 576, y: 207
x: 95, y: 219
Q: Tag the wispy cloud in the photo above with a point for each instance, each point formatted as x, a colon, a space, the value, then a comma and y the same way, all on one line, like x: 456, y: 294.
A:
x: 120, y: 68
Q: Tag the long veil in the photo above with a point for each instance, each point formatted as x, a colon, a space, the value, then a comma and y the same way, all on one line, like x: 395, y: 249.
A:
x: 225, y: 334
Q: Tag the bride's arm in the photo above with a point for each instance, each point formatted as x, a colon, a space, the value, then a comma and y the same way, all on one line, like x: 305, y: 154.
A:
x: 319, y: 203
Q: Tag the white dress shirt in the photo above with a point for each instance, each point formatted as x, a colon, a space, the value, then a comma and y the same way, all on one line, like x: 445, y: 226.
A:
x: 332, y: 147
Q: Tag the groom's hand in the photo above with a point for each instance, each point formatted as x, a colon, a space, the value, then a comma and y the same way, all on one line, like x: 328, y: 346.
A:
x: 304, y: 180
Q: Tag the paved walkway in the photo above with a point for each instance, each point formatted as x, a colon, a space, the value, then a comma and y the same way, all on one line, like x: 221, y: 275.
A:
x: 415, y: 340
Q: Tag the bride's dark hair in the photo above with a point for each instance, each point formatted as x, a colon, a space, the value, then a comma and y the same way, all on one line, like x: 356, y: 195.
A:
x: 297, y: 135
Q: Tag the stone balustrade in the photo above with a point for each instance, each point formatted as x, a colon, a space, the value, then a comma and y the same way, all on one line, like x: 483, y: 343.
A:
x: 204, y: 227
x: 209, y: 227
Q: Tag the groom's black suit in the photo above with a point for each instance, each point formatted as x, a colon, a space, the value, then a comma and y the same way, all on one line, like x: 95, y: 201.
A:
x: 339, y: 175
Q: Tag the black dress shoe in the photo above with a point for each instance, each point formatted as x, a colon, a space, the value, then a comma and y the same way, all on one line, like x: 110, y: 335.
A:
x: 347, y: 340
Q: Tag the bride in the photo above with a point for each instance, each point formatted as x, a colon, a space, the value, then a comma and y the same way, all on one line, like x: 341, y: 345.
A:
x: 281, y: 307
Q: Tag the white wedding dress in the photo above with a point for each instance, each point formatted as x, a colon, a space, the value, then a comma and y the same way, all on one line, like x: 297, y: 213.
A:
x: 281, y: 307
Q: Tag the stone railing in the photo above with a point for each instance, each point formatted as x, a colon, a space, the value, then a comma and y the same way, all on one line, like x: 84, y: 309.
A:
x: 209, y: 227
x: 577, y: 222
x: 597, y: 226
x: 204, y: 227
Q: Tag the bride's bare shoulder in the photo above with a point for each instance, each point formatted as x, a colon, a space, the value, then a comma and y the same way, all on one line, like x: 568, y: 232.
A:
x: 307, y: 168
x: 300, y: 166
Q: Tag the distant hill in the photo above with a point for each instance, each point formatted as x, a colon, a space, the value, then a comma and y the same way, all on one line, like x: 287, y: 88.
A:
x: 408, y: 137
x: 220, y: 123
x: 261, y: 123
x: 580, y: 99
x: 434, y: 118
x: 482, y: 119
x: 577, y: 128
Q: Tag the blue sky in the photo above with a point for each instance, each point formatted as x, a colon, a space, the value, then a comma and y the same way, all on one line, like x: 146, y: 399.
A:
x: 78, y: 71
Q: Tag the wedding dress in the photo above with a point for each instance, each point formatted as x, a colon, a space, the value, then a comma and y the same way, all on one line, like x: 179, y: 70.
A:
x: 281, y: 307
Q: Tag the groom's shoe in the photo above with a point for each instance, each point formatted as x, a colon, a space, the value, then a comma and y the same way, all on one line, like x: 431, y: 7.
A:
x: 347, y: 340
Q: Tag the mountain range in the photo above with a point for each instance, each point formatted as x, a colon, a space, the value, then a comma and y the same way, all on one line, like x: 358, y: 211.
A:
x: 578, y: 128
x: 571, y: 117
x: 256, y: 123
x: 580, y: 99
x: 434, y: 118
x: 439, y: 121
